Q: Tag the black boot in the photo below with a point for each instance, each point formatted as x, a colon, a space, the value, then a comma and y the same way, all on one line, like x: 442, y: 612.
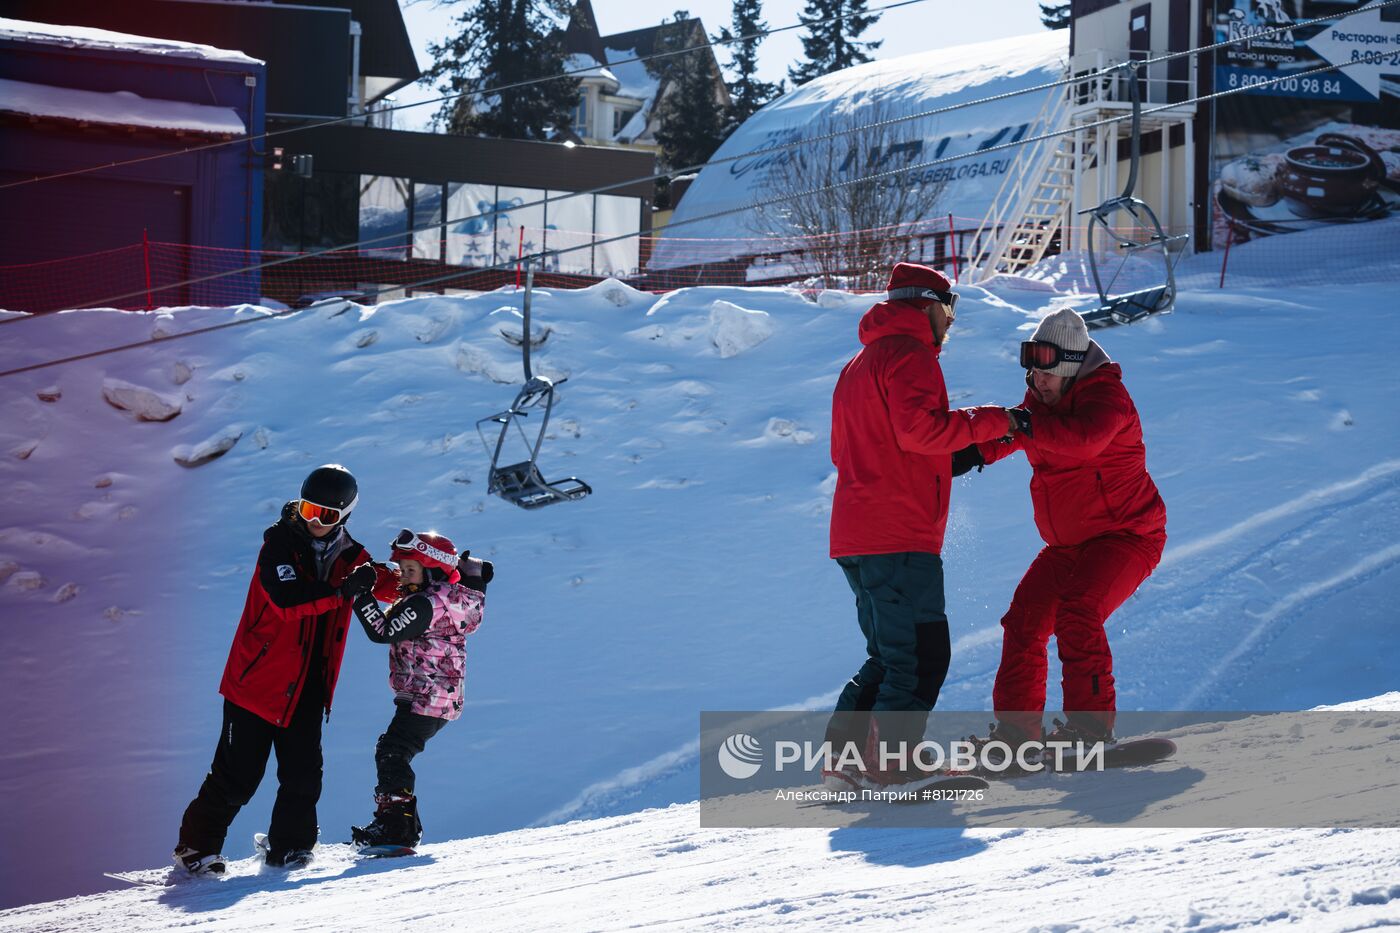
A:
x: 395, y: 823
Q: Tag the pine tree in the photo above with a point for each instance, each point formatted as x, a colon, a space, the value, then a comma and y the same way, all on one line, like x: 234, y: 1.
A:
x: 501, y: 42
x: 691, y: 120
x: 831, y: 45
x: 1055, y: 16
x: 746, y: 93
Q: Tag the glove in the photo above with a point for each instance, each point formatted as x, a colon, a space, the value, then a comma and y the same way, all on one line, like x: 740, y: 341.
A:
x: 1023, y: 421
x: 967, y: 458
x: 360, y: 581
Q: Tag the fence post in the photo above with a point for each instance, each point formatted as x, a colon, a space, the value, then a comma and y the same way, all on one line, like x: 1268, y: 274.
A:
x: 146, y: 261
x: 1229, y: 238
x: 519, y: 252
x: 953, y: 246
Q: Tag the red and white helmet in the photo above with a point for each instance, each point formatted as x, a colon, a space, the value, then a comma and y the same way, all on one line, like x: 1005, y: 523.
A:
x: 433, y: 551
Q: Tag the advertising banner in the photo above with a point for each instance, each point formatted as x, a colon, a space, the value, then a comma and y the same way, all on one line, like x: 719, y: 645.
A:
x: 1312, y: 150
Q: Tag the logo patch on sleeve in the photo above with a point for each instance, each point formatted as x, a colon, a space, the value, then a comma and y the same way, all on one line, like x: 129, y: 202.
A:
x: 286, y: 572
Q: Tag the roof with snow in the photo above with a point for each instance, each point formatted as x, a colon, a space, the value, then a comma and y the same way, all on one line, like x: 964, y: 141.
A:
x: 116, y: 108
x: 610, y: 58
x: 900, y: 86
x: 85, y: 37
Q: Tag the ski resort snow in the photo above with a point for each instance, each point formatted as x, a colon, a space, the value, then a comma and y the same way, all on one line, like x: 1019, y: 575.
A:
x: 137, y: 484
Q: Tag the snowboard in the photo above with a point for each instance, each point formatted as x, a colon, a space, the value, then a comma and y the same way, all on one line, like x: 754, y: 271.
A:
x: 385, y: 851
x: 1127, y: 754
x: 150, y: 878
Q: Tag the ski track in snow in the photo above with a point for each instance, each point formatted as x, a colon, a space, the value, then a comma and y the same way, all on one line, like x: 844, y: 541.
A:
x: 655, y: 869
x: 1314, y: 499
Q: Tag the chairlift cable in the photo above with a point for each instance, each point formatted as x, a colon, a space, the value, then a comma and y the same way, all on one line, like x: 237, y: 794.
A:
x: 486, y: 92
x: 711, y: 216
x: 806, y: 141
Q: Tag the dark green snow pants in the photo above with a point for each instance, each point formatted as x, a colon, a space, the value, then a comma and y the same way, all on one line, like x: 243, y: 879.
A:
x: 899, y: 605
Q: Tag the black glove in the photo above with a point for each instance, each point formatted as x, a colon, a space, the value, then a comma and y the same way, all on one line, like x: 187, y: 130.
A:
x: 967, y: 458
x: 360, y: 581
x: 1023, y: 421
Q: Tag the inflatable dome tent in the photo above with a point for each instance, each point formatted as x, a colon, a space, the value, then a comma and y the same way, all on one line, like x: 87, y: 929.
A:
x: 771, y: 236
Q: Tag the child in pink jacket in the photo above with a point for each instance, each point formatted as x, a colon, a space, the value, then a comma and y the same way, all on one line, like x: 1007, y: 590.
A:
x: 437, y: 597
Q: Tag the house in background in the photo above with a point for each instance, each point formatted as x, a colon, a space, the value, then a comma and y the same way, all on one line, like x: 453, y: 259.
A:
x: 74, y: 97
x: 431, y: 204
x: 620, y: 101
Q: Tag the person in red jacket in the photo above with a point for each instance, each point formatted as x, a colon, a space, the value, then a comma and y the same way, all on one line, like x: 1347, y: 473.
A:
x: 892, y: 440
x: 280, y: 676
x: 1102, y: 520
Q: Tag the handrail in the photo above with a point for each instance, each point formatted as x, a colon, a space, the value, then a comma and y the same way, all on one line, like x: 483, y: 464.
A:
x: 1025, y: 176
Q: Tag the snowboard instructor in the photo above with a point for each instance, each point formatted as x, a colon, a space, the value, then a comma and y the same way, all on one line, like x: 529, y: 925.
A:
x: 281, y: 675
x: 892, y: 440
x: 1103, y: 522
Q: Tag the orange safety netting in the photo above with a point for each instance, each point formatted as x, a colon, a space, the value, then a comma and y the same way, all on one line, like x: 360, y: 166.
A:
x: 155, y: 275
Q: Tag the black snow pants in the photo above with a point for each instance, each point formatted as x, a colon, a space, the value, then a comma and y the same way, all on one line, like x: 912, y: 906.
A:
x: 239, y: 762
x: 407, y: 735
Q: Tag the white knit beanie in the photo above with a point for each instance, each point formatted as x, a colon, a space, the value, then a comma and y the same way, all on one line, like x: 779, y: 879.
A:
x: 1066, y: 330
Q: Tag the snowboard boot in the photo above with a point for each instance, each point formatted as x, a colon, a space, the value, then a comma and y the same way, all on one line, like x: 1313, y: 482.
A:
x: 198, y: 863
x: 282, y: 858
x: 395, y: 823
x: 1002, y: 762
x: 882, y: 772
x: 1081, y: 727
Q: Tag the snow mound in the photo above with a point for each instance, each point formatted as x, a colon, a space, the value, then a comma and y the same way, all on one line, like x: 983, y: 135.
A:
x: 734, y: 330
x: 832, y: 300
x: 207, y: 450
x: 784, y: 430
x: 617, y: 294
x: 145, y: 404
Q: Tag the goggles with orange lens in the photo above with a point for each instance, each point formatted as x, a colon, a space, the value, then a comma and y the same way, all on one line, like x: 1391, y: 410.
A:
x: 321, y: 514
x: 1037, y: 354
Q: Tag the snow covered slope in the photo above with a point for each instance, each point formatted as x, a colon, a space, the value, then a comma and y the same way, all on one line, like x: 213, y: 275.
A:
x: 655, y: 868
x: 696, y: 576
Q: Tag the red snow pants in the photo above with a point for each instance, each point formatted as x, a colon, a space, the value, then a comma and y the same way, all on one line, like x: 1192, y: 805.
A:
x: 1068, y: 592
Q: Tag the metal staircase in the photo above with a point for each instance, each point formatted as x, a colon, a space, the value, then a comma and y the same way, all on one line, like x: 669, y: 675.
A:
x: 1030, y: 208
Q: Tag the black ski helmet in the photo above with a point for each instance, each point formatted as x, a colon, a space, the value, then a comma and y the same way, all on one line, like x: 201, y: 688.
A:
x: 331, y: 486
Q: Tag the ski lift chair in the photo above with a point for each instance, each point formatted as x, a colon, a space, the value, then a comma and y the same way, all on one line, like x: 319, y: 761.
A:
x: 1127, y: 307
x: 522, y: 483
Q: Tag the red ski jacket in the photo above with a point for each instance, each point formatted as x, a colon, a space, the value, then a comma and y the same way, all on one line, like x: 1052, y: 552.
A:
x: 272, y: 654
x: 1089, y: 464
x: 892, y: 438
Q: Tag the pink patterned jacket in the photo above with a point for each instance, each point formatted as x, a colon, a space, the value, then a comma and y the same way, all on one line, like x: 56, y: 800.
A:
x: 427, y: 633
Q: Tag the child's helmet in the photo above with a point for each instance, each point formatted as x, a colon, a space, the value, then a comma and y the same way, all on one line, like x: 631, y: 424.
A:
x: 435, y: 552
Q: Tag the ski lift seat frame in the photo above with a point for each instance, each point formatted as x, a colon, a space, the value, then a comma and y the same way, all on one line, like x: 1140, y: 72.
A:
x: 522, y: 483
x: 1129, y: 307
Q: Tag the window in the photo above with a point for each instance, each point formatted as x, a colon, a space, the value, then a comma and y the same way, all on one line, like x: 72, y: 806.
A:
x: 427, y: 209
x: 384, y: 204
x: 519, y: 229
x: 472, y: 229
x: 621, y: 118
x: 569, y: 229
x: 613, y: 216
x: 581, y: 114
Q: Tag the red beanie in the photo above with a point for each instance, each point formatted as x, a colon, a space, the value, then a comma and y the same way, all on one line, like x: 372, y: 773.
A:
x: 913, y: 275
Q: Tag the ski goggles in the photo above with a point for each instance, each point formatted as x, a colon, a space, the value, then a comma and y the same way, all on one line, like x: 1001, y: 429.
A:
x: 1036, y: 354
x: 949, y: 298
x: 409, y: 541
x: 323, y: 514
